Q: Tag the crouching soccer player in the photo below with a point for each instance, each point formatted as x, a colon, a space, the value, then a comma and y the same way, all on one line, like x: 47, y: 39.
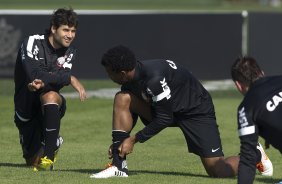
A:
x: 163, y: 94
x: 42, y: 68
x: 259, y: 113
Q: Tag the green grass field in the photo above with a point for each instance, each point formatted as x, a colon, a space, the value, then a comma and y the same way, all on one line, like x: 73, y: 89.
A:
x: 86, y: 129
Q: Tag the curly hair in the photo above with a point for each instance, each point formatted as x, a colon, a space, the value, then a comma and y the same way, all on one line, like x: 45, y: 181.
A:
x: 119, y: 58
x: 246, y: 70
x: 63, y: 16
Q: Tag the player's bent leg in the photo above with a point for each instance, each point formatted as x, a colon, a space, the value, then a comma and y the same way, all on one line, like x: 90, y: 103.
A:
x: 51, y: 102
x: 220, y: 167
x: 124, y: 105
x: 122, y: 117
x: 121, y: 125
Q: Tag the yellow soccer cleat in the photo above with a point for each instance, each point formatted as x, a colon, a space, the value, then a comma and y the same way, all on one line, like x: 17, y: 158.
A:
x: 45, y: 165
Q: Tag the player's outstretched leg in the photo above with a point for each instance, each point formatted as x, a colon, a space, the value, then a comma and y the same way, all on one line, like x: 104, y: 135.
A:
x: 264, y: 165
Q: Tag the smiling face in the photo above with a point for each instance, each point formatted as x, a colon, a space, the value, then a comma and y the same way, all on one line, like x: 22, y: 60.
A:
x: 62, y: 36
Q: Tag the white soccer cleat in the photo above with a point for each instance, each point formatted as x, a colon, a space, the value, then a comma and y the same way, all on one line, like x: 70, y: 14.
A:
x: 111, y: 171
x: 264, y: 166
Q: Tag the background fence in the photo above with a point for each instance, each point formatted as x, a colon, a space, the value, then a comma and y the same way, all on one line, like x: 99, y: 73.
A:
x: 206, y: 43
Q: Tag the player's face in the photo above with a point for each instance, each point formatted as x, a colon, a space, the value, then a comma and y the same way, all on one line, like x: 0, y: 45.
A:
x: 63, y: 36
x: 116, y: 77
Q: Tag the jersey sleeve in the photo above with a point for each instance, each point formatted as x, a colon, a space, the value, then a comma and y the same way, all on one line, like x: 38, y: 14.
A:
x: 32, y: 52
x: 162, y: 115
x: 248, y: 134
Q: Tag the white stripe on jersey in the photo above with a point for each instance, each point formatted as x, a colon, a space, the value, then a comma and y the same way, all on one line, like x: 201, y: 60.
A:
x: 164, y: 94
x: 246, y: 130
x: 30, y: 43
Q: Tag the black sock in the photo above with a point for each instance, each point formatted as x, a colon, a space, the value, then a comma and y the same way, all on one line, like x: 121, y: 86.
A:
x: 119, y: 162
x: 51, y: 128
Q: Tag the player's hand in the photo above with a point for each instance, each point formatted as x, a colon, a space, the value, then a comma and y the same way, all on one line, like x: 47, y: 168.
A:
x: 127, y: 146
x: 110, y: 152
x: 82, y: 94
x: 79, y: 88
x: 35, y: 85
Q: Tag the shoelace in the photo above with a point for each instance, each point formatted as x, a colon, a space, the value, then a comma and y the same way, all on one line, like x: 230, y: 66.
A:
x: 108, y: 165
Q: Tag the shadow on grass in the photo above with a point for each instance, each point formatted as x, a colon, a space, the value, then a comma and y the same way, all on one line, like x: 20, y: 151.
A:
x: 13, y: 165
x: 136, y: 172
x: 268, y: 180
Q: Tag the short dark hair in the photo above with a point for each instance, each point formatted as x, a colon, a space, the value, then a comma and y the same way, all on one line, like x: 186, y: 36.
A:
x: 246, y: 70
x: 119, y: 58
x: 63, y: 16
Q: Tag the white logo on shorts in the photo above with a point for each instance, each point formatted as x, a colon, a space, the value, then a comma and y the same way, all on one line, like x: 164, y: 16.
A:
x: 50, y: 130
x: 214, y: 150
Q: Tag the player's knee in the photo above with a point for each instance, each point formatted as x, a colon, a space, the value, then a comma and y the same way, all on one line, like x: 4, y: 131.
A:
x: 122, y: 99
x: 217, y: 167
x: 220, y: 170
x: 51, y: 97
x: 212, y: 172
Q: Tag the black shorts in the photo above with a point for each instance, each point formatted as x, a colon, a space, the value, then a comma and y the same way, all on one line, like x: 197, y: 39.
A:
x: 31, y: 132
x: 202, y: 136
x: 200, y: 129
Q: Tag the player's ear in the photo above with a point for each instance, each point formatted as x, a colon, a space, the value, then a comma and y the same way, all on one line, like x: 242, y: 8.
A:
x: 241, y: 87
x: 238, y: 85
x: 123, y: 73
x: 53, y: 29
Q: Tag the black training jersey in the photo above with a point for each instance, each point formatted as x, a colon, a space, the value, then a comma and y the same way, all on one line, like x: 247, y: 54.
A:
x: 260, y: 113
x: 171, y: 89
x: 37, y: 59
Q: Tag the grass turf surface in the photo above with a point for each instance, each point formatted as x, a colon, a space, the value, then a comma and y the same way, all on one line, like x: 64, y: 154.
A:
x: 86, y: 129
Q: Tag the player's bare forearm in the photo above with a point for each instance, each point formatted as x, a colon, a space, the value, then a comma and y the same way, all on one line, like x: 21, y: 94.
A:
x: 78, y: 87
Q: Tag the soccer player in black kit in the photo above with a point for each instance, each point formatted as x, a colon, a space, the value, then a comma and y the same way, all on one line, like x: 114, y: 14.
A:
x: 259, y: 114
x: 163, y: 94
x: 42, y: 68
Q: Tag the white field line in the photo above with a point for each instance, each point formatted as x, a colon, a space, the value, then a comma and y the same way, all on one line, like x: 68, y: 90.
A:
x: 109, y: 93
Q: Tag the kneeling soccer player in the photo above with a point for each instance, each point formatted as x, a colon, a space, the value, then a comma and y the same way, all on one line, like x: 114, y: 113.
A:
x: 163, y: 94
x: 42, y: 69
